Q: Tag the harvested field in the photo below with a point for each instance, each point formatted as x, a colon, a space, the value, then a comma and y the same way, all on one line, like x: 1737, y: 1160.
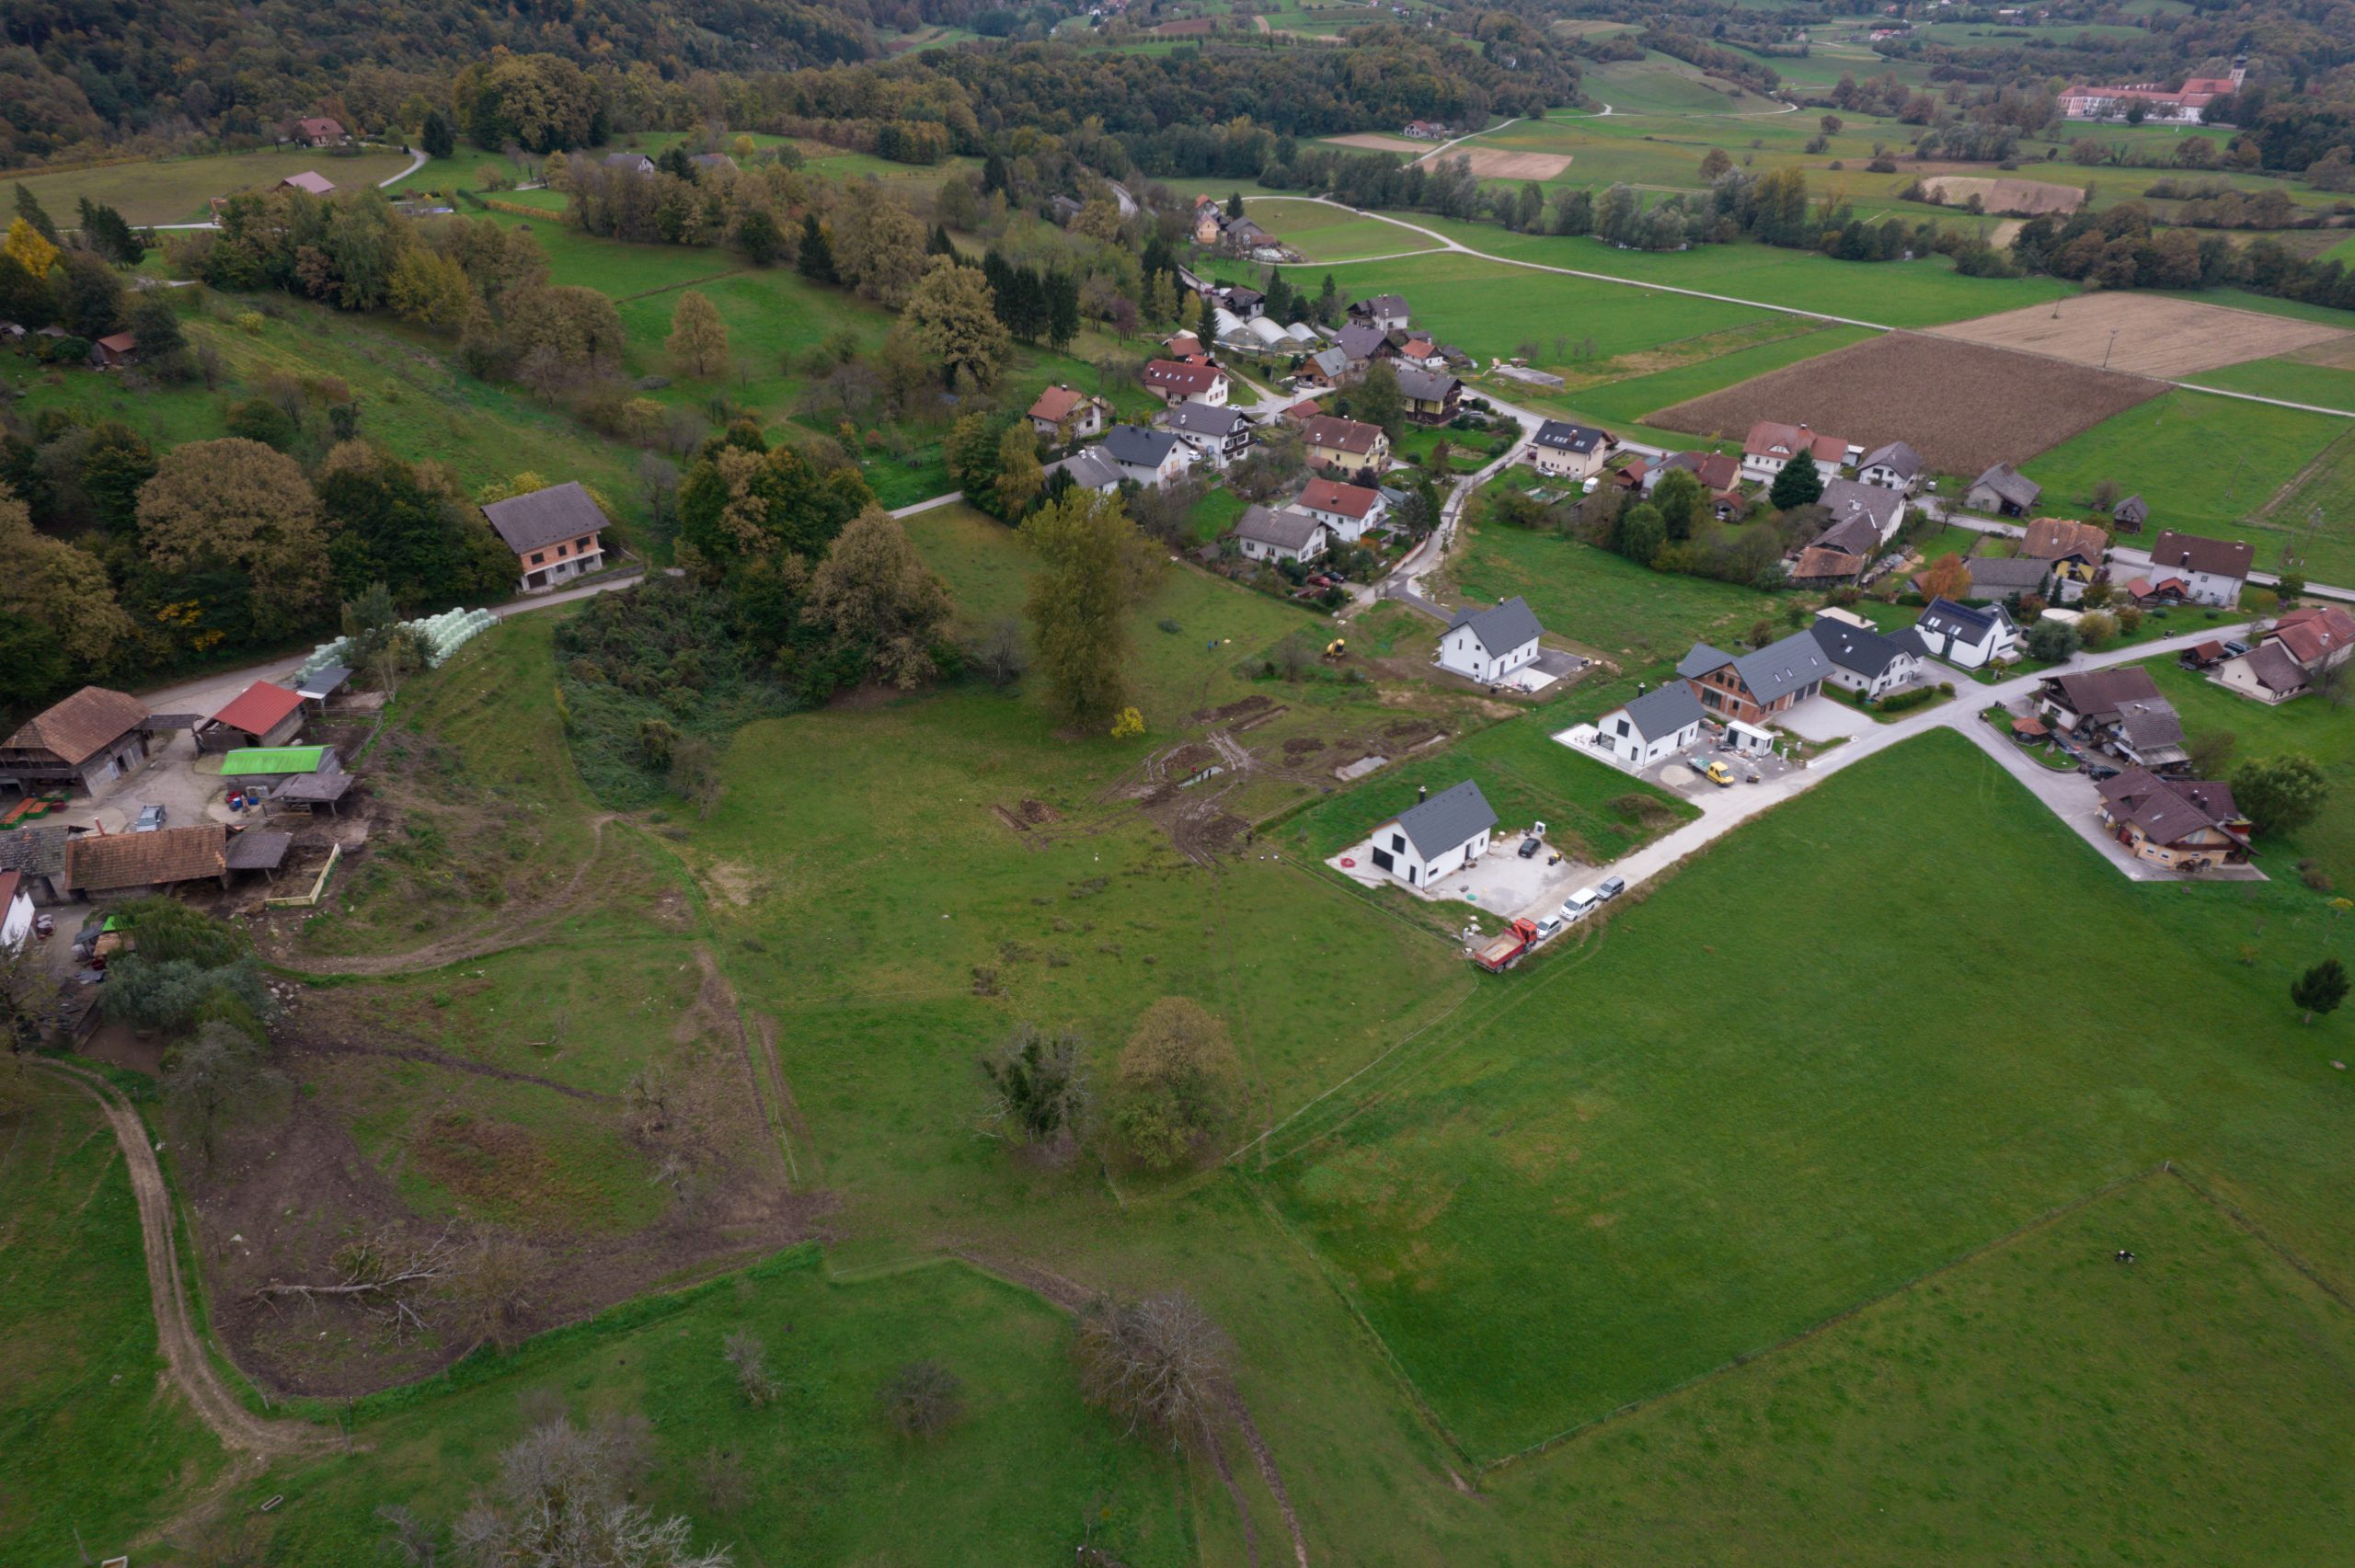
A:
x: 1376, y: 141
x: 2027, y: 197
x: 1491, y: 163
x: 2154, y: 337
x: 1962, y: 406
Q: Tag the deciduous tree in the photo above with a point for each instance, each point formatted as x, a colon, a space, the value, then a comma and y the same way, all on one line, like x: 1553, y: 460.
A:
x: 2281, y: 794
x: 876, y: 594
x: 1157, y: 1362
x: 1178, y: 1080
x: 238, y: 503
x: 698, y: 340
x: 562, y: 1499
x: 954, y: 319
x: 1078, y: 603
x: 1948, y: 576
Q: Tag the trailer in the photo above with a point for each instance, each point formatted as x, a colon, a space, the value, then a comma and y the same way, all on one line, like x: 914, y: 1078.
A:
x: 1504, y: 951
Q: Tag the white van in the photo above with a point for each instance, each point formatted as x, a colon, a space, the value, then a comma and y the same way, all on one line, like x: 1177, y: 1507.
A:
x: 1581, y: 904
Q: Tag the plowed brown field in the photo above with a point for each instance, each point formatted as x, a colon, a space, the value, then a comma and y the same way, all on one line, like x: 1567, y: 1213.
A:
x: 1963, y: 406
x: 2152, y: 337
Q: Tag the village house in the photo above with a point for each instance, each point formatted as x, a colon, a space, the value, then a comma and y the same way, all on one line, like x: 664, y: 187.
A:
x: 1967, y: 636
x: 2181, y: 824
x: 1364, y: 343
x: 1350, y: 510
x: 1821, y: 565
x: 629, y: 163
x: 1489, y: 644
x: 1062, y: 415
x: 1562, y: 450
x: 1352, y: 448
x: 2071, y: 549
x: 1770, y: 446
x: 1437, y: 836
x: 1752, y: 687
x: 1150, y: 458
x: 1088, y: 469
x: 1432, y: 396
x: 1863, y: 508
x: 117, y: 350
x: 2004, y: 491
x: 2000, y: 577
x: 1657, y: 724
x: 1217, y: 436
x: 1720, y: 474
x: 2208, y: 571
x: 1863, y: 660
x: 319, y: 132
x: 1416, y: 349
x: 1384, y: 312
x: 37, y: 856
x: 1279, y: 533
x: 1173, y: 382
x: 90, y: 743
x: 1425, y: 131
x: 262, y: 714
x: 554, y: 534
x: 1324, y: 370
x: 1185, y: 349
x: 1896, y: 466
x: 2304, y: 647
x: 127, y: 865
x: 310, y: 182
x: 2120, y: 710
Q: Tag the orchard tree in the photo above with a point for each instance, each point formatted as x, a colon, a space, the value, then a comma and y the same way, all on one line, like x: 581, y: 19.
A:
x: 2053, y: 642
x: 2320, y: 989
x: 1177, y: 1082
x: 698, y: 340
x: 2281, y: 793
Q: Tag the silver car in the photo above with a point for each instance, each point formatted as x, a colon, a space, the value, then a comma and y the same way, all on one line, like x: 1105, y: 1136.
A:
x: 151, y: 819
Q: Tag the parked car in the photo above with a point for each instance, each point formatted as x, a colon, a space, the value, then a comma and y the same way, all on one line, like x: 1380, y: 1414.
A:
x: 1529, y: 847
x: 1717, y: 773
x: 2235, y: 648
x: 1581, y: 904
x: 1550, y: 926
x: 1611, y: 886
x: 151, y: 819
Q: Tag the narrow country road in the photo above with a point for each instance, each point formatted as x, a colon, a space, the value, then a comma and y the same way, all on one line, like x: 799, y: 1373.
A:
x: 238, y: 1427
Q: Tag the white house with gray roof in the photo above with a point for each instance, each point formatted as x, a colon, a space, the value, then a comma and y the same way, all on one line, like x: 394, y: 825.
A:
x: 1264, y: 533
x: 1562, y: 450
x: 1436, y: 837
x: 1864, y: 659
x: 1489, y: 644
x: 1754, y: 687
x: 1152, y: 458
x: 1896, y: 466
x: 1656, y: 725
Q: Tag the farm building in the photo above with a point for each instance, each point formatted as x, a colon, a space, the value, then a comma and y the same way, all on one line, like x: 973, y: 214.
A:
x: 1865, y: 508
x: 1825, y: 566
x: 1966, y: 636
x: 310, y: 182
x: 16, y: 912
x: 1564, y: 450
x: 2002, y: 490
x: 629, y: 163
x: 1489, y: 644
x: 261, y: 769
x: 130, y: 865
x: 2000, y: 577
x: 1266, y: 533
x: 262, y: 714
x: 1325, y: 368
x: 1438, y: 835
x: 90, y: 741
x: 1754, y: 686
x: 2131, y: 514
x: 1656, y: 725
x: 117, y: 350
x: 2212, y: 571
x: 37, y: 856
x: 554, y: 534
x: 1720, y: 474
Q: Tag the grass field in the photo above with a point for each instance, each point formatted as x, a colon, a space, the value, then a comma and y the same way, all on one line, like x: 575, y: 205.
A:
x: 2289, y: 378
x: 2207, y: 466
x: 1660, y: 85
x: 175, y: 191
x: 91, y: 1438
x: 1532, y: 1218
x: 1329, y: 234
x: 1631, y: 398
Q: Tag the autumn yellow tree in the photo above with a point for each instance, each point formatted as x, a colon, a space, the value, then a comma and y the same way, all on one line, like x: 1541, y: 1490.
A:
x: 955, y: 322
x: 1948, y: 576
x: 698, y: 340
x: 238, y: 504
x: 1178, y: 1081
x: 30, y: 250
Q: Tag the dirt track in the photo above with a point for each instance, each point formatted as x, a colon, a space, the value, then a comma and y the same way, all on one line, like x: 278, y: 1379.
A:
x: 238, y: 1427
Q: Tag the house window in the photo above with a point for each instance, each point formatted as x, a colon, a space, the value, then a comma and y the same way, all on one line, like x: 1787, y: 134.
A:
x: 537, y: 557
x: 1624, y: 728
x: 562, y: 551
x: 1398, y: 842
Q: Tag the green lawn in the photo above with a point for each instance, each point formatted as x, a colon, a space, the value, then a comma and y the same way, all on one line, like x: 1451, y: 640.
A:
x: 2207, y: 466
x: 2293, y: 381
x: 1329, y: 234
x: 177, y: 190
x: 1629, y: 400
x: 1547, y: 1211
x: 91, y: 1437
x: 1636, y: 616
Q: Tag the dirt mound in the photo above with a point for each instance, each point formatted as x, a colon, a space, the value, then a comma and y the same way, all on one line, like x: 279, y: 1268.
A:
x: 1030, y: 814
x: 1301, y: 746
x: 1234, y: 710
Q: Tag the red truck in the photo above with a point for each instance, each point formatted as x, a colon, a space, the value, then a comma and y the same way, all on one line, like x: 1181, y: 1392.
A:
x: 1504, y: 951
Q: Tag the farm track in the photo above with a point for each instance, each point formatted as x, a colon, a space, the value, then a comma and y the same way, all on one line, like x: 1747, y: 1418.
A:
x: 176, y: 1332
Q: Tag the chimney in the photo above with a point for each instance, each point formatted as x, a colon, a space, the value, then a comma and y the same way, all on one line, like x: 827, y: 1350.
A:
x: 1422, y: 792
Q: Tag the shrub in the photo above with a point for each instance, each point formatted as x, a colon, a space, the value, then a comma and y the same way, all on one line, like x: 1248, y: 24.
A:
x: 1898, y: 702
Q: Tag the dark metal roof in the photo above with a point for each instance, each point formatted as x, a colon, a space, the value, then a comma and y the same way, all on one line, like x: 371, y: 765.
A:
x: 544, y: 516
x: 258, y: 849
x: 1562, y: 436
x: 1664, y: 712
x: 325, y: 683
x: 1137, y: 447
x: 1867, y: 652
x: 1451, y: 818
x: 1500, y: 628
x: 321, y: 787
x: 1285, y: 529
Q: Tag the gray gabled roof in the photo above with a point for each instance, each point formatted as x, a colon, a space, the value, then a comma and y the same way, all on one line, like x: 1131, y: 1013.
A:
x: 1847, y: 498
x: 1561, y: 436
x: 1451, y: 817
x: 1361, y: 342
x: 1949, y: 619
x: 1869, y: 653
x: 1137, y: 447
x: 1993, y: 576
x: 1283, y: 528
x: 546, y: 517
x: 1380, y: 304
x: 1897, y: 457
x: 1777, y: 668
x: 1331, y: 361
x: 1425, y: 386
x: 1500, y: 628
x: 1202, y: 419
x: 2010, y: 483
x: 1089, y: 469
x: 1664, y: 712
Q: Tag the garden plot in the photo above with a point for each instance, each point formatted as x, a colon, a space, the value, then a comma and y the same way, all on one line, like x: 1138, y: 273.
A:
x: 2024, y: 196
x: 2144, y: 336
x: 1494, y: 163
x: 1374, y: 141
x: 1962, y: 406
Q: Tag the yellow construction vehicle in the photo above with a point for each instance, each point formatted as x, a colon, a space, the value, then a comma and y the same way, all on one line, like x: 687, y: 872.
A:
x: 1337, y: 647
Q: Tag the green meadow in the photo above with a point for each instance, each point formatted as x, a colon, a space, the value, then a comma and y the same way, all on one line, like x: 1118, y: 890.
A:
x: 177, y: 190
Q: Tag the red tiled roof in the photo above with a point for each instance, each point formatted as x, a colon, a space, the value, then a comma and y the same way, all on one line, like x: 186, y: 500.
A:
x: 2049, y: 538
x: 259, y: 707
x: 100, y: 862
x: 1337, y: 434
x: 1056, y: 402
x: 1331, y: 495
x: 1769, y: 439
x: 1177, y: 377
x: 2314, y: 635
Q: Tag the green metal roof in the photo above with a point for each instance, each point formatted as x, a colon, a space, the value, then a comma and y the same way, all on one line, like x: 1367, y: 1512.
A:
x: 255, y: 759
